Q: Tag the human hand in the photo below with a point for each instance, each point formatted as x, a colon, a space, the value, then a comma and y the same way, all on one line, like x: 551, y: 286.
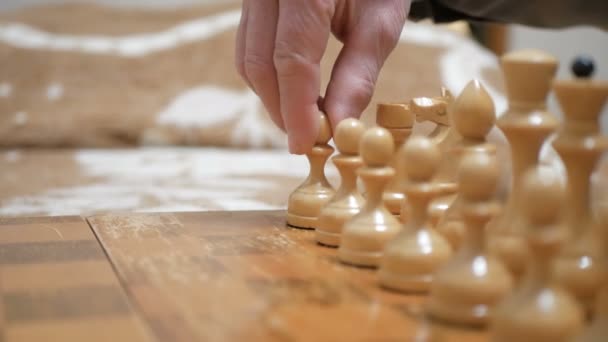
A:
x: 280, y: 44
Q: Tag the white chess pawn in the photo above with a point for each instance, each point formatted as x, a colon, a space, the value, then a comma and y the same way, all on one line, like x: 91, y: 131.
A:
x: 365, y: 235
x: 305, y: 203
x: 539, y: 309
x: 470, y: 285
x: 411, y: 259
x: 348, y: 201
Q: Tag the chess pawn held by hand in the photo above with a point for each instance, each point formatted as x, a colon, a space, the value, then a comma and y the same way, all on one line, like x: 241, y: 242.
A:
x: 470, y: 285
x: 365, y: 235
x: 539, y: 309
x: 411, y: 259
x: 348, y: 201
x: 305, y: 203
x: 526, y: 124
x: 580, y: 144
x: 473, y: 117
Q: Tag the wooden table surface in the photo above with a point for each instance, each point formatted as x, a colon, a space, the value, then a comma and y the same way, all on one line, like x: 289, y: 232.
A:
x: 215, y: 276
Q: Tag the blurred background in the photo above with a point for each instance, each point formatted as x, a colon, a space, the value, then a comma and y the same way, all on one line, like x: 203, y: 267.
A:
x: 85, y: 84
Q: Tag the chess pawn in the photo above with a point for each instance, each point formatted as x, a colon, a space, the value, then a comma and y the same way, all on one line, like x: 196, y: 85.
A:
x: 473, y: 117
x: 305, y: 203
x: 399, y: 121
x: 365, y: 235
x: 539, y: 309
x: 597, y: 331
x: 526, y: 124
x: 470, y: 285
x: 436, y: 110
x: 348, y: 201
x: 411, y: 259
x: 580, y: 144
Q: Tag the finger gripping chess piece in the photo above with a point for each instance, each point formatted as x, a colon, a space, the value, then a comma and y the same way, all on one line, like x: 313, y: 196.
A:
x: 305, y: 203
x: 470, y: 285
x: 473, y: 117
x: 399, y: 121
x: 410, y: 259
x: 526, y: 124
x: 348, y: 201
x: 365, y: 235
x: 539, y: 309
x: 580, y: 145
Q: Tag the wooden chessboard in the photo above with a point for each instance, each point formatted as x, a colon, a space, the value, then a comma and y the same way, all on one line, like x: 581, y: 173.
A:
x: 215, y: 276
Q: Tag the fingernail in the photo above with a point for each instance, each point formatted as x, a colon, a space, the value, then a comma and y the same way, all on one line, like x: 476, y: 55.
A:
x: 294, y: 146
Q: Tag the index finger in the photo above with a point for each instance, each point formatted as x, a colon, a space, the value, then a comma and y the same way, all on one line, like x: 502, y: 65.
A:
x: 302, y: 33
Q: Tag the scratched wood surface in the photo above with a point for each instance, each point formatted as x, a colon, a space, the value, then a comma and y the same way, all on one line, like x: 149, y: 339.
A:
x: 244, y: 276
x: 56, y: 284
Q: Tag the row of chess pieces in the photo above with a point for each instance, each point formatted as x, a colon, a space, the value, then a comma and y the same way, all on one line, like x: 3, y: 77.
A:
x: 533, y: 267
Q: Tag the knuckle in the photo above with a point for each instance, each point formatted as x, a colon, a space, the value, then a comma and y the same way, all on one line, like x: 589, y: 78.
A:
x: 287, y: 59
x: 388, y: 32
x: 254, y: 65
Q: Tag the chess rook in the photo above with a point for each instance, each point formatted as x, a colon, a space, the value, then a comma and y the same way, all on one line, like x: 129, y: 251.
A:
x: 348, y: 201
x: 539, y: 309
x: 526, y: 124
x: 399, y: 121
x: 365, y: 235
x: 468, y: 287
x: 410, y: 259
x: 580, y: 144
x: 473, y: 116
x: 305, y: 203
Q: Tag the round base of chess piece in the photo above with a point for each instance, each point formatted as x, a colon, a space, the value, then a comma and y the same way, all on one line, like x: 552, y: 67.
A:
x: 305, y: 205
x: 537, y: 315
x: 365, y: 236
x: 582, y: 275
x: 468, y: 288
x: 334, y: 215
x: 411, y: 259
x: 511, y: 248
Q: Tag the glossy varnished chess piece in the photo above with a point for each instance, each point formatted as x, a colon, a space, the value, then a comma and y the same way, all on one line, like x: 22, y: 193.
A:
x: 539, y: 309
x: 580, y: 144
x: 399, y: 121
x: 348, y: 201
x: 305, y: 203
x: 526, y: 124
x: 436, y: 110
x: 597, y: 331
x: 473, y: 117
x: 468, y: 287
x: 411, y: 259
x: 365, y: 235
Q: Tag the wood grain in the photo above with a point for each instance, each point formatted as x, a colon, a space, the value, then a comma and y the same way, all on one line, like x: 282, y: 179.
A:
x: 56, y: 284
x: 236, y: 276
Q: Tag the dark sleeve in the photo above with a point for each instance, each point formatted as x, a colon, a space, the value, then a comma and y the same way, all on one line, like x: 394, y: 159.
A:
x: 539, y: 13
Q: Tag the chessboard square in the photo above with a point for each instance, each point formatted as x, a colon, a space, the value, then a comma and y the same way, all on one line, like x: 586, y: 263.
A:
x: 44, y: 231
x: 49, y: 252
x: 52, y: 276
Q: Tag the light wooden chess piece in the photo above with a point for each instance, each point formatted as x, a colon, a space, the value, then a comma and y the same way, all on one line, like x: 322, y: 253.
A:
x: 526, y: 124
x: 305, y: 203
x: 365, y: 235
x: 411, y: 259
x: 399, y: 121
x: 540, y: 309
x: 468, y: 287
x: 597, y: 331
x: 580, y: 144
x: 473, y: 117
x: 348, y: 201
x: 436, y: 110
